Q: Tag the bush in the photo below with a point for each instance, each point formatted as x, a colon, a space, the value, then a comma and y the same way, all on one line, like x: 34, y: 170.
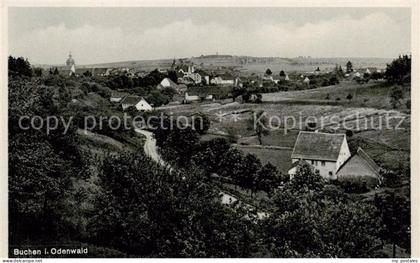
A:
x: 327, y: 97
x: 356, y: 185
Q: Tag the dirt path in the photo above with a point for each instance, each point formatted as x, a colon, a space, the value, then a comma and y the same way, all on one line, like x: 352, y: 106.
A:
x: 150, y: 147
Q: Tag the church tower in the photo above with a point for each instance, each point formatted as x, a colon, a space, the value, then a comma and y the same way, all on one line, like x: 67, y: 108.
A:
x: 70, y: 61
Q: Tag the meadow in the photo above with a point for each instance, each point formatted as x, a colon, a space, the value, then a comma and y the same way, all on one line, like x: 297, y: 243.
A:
x: 364, y: 114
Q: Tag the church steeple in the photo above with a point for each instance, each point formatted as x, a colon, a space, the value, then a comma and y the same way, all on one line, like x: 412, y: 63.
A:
x: 70, y: 61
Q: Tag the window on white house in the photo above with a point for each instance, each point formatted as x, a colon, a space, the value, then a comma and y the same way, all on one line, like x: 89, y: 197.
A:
x: 323, y: 163
x: 312, y: 162
x: 330, y: 173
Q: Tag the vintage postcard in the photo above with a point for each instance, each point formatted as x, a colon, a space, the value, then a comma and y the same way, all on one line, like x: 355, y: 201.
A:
x: 236, y: 130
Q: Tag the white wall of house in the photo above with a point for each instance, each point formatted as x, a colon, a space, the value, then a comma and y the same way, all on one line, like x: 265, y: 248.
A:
x: 343, y: 155
x: 220, y: 81
x: 191, y: 97
x: 195, y: 76
x: 227, y: 82
x: 115, y: 99
x: 292, y: 172
x: 165, y: 82
x: 327, y: 169
x: 142, y: 105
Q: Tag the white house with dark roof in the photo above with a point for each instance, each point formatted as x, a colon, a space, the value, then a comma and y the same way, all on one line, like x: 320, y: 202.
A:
x: 326, y: 152
x: 136, y: 101
x: 360, y: 165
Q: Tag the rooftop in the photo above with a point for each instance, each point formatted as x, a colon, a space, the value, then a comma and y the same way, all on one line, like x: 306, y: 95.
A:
x: 131, y: 99
x: 318, y: 146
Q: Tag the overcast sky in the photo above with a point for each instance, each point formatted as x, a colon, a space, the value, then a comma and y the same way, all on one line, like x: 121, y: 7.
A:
x: 95, y: 35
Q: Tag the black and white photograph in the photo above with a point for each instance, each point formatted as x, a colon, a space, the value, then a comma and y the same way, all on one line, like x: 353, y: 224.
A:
x: 209, y: 131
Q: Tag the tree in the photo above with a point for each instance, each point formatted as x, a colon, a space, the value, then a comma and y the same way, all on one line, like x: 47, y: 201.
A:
x: 232, y: 165
x: 258, y: 122
x: 37, y: 71
x: 267, y: 178
x: 349, y: 96
x: 178, y: 143
x: 157, y: 98
x: 210, y: 155
x: 305, y: 179
x: 169, y: 92
x: 251, y: 165
x: 305, y: 219
x: 349, y: 67
x: 19, y: 66
x: 399, y: 70
x: 147, y: 211
x: 87, y: 73
x: 282, y: 74
x: 42, y: 165
x: 394, y: 212
x: 172, y: 76
x: 56, y: 71
x: 268, y: 72
x: 238, y: 91
x: 396, y: 95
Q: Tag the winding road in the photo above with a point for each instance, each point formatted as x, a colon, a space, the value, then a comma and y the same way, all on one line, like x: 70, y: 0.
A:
x: 150, y: 149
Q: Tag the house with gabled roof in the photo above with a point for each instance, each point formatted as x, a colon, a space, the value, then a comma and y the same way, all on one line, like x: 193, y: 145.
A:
x: 168, y: 83
x: 326, y: 152
x: 136, y: 101
x: 360, y: 165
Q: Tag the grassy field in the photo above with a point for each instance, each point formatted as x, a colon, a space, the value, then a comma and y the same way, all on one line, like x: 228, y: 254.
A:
x: 372, y: 94
x: 279, y: 158
x: 364, y: 114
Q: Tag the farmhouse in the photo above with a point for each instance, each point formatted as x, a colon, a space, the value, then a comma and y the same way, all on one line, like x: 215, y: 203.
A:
x: 117, y: 96
x: 324, y: 151
x: 136, y: 101
x: 360, y: 166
